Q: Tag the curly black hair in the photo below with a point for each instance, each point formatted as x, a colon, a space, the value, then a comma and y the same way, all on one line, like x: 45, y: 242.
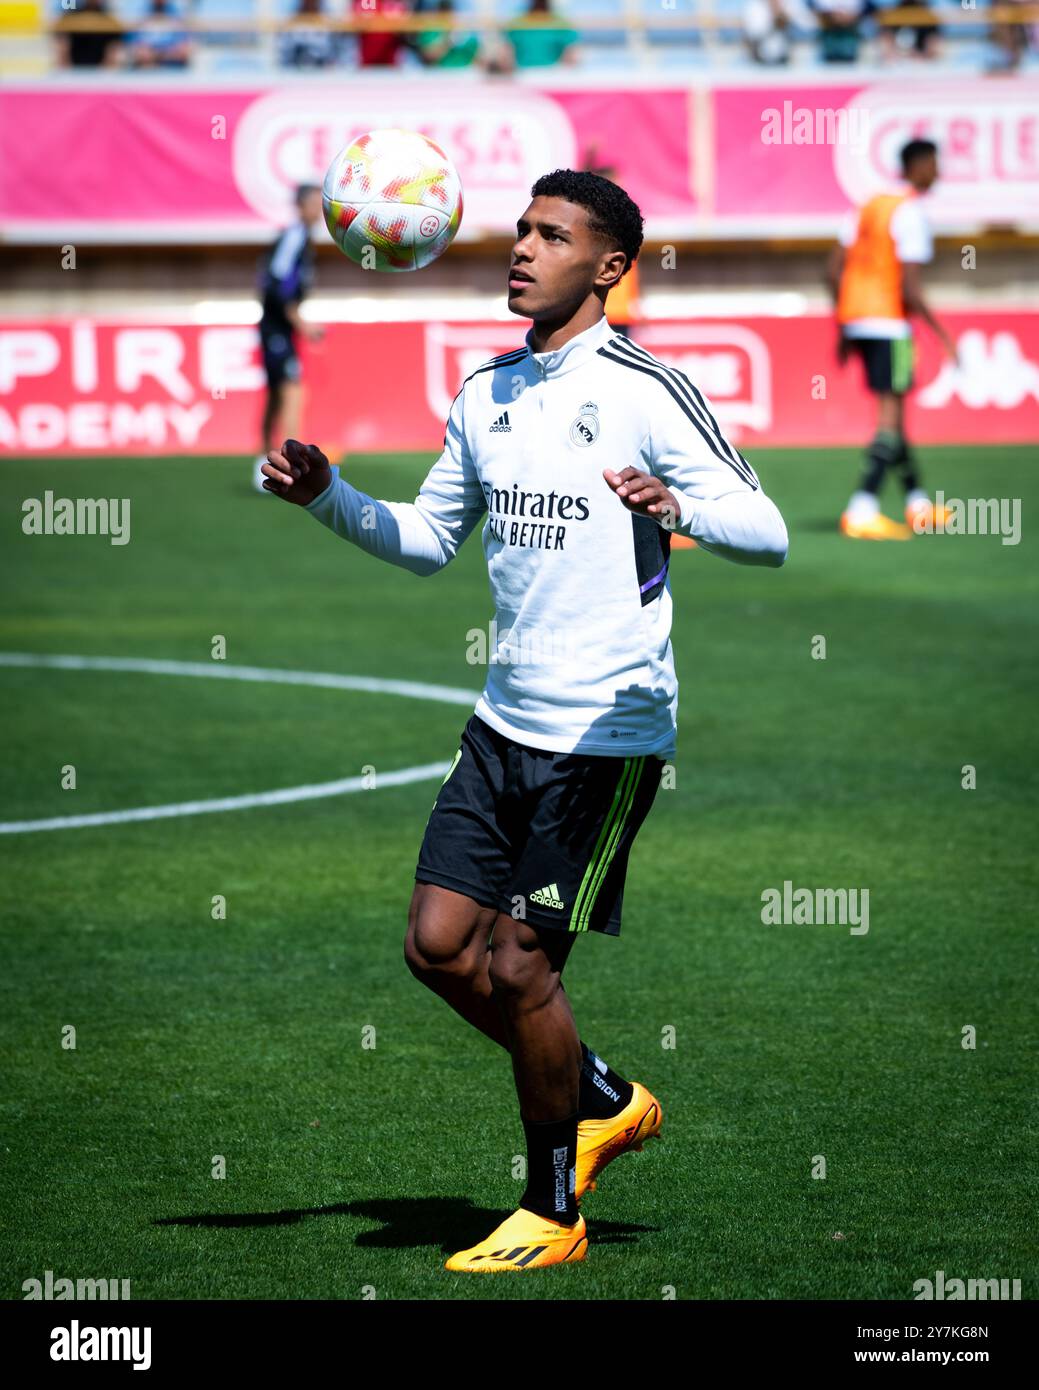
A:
x: 914, y: 150
x: 611, y: 213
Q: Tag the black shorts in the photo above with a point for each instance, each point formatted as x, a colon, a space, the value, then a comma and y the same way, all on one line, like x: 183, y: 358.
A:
x: 542, y: 836
x: 888, y: 363
x: 280, y: 361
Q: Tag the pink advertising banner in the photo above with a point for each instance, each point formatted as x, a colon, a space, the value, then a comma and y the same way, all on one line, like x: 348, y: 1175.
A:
x: 196, y: 163
x: 108, y: 387
x: 801, y: 154
x: 178, y: 162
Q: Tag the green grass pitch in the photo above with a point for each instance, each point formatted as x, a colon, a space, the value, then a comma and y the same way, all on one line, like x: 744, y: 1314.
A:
x: 351, y: 1167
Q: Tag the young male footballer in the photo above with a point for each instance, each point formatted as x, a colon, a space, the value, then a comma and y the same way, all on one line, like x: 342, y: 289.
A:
x: 581, y: 453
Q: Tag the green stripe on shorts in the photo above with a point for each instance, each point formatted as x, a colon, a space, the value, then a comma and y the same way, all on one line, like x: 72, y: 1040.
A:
x: 901, y: 364
x: 454, y: 764
x: 606, y: 845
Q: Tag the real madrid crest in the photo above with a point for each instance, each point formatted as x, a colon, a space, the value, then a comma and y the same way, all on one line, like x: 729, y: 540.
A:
x: 585, y: 429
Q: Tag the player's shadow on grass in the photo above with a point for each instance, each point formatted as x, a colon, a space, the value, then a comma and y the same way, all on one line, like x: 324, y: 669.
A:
x: 453, y: 1223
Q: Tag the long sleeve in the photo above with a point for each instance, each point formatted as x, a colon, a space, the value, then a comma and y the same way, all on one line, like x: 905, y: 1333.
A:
x: 742, y: 526
x: 722, y: 504
x: 422, y: 536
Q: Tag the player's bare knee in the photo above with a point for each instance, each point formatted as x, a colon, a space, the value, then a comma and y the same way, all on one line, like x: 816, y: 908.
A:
x: 428, y: 951
x: 437, y: 943
x: 521, y: 975
x: 426, y: 948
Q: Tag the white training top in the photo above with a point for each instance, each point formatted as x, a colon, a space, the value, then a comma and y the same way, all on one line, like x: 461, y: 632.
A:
x: 579, y: 654
x: 911, y: 233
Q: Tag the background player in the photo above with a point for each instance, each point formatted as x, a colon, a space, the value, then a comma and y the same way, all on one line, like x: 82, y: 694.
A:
x: 287, y: 274
x: 874, y: 275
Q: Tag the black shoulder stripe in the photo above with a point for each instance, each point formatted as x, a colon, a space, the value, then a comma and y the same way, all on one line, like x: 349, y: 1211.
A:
x: 504, y: 360
x: 751, y: 475
x: 658, y: 374
x: 696, y: 400
x: 690, y: 389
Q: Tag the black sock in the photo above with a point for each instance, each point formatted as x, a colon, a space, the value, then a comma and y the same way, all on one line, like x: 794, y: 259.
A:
x: 552, y: 1169
x: 602, y: 1092
x: 906, y: 465
x: 881, y: 454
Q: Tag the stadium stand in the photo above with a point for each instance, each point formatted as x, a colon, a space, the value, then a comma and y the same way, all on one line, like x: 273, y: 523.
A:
x: 229, y: 36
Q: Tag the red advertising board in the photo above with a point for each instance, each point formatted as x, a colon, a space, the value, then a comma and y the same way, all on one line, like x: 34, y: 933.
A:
x: 110, y: 387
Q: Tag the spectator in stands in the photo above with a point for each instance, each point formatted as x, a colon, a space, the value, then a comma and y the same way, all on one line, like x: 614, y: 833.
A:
x: 380, y: 48
x: 540, y: 39
x: 444, y: 48
x: 160, y: 40
x: 88, y: 36
x: 769, y: 27
x: 1011, y: 40
x: 306, y: 43
x: 840, y: 28
x: 899, y: 41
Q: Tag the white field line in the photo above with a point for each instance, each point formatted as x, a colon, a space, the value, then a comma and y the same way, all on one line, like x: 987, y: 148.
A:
x: 413, y: 689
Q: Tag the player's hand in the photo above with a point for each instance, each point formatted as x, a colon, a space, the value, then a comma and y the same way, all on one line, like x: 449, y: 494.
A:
x: 645, y: 494
x: 297, y: 472
x: 313, y: 332
x: 843, y: 347
x: 951, y: 350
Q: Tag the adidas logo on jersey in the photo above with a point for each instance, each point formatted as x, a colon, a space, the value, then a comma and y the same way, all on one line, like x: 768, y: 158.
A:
x: 501, y: 425
x: 548, y: 897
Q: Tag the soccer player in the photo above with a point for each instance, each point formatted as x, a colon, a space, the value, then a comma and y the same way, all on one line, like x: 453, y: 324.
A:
x: 580, y: 453
x: 288, y: 271
x: 874, y: 275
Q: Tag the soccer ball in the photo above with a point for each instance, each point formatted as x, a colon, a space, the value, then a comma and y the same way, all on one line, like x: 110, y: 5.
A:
x: 392, y: 200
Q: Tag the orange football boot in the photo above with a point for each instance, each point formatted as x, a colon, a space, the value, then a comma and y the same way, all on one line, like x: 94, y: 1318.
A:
x: 524, y: 1241
x: 877, y: 527
x: 601, y: 1141
x: 925, y: 518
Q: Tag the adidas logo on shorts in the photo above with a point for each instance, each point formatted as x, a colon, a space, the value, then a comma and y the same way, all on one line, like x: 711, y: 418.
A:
x: 501, y: 425
x: 548, y: 897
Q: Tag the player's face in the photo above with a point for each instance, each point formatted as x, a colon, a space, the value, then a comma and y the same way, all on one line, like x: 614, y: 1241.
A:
x: 556, y: 259
x: 310, y: 207
x: 924, y: 172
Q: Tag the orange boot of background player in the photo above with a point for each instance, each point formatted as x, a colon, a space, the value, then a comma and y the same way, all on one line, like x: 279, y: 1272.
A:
x: 864, y: 521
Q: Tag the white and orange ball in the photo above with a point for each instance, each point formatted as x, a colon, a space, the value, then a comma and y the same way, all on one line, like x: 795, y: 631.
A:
x: 392, y: 200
